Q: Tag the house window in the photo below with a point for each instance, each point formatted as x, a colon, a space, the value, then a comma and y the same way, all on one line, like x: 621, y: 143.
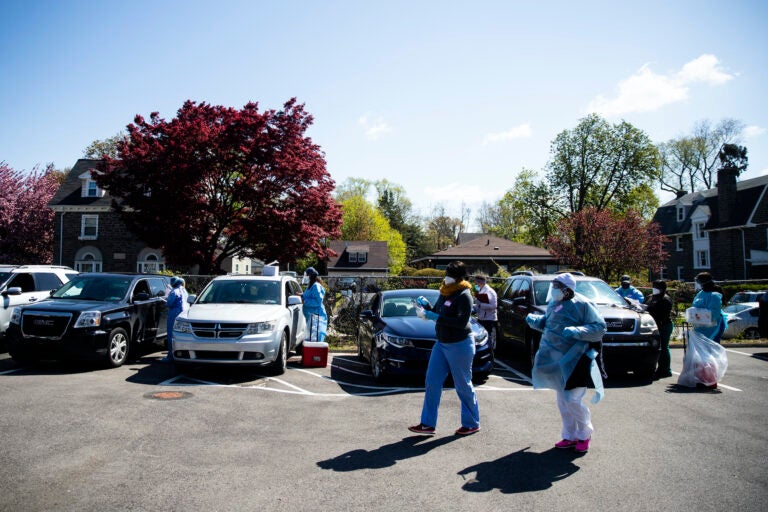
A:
x: 88, y: 263
x: 151, y: 264
x: 700, y: 233
x: 89, y: 227
x: 680, y: 273
x: 680, y: 214
x: 678, y: 243
x: 357, y: 257
x: 702, y: 259
x: 237, y: 268
x: 91, y: 189
x: 663, y: 273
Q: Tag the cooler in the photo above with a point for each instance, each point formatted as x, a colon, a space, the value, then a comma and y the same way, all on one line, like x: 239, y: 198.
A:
x: 314, y: 354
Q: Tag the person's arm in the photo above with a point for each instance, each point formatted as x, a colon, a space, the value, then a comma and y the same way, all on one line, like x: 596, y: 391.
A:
x: 592, y: 327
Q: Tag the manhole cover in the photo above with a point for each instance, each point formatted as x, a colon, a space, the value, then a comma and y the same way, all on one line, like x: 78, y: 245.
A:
x: 168, y: 395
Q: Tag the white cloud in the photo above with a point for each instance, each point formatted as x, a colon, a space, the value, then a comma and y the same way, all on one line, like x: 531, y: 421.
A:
x: 647, y: 91
x: 374, y: 127
x: 518, y: 132
x: 753, y: 131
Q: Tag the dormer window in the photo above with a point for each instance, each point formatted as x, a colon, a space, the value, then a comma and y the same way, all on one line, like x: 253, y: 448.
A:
x: 680, y: 213
x: 357, y: 254
x: 89, y: 187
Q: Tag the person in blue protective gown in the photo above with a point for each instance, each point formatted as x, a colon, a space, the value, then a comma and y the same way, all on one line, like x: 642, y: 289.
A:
x: 453, y: 352
x: 314, y: 311
x: 176, y: 302
x: 709, y: 298
x: 572, y: 330
x: 628, y: 291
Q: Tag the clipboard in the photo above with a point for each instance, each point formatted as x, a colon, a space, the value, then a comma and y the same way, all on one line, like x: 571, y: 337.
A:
x: 482, y: 297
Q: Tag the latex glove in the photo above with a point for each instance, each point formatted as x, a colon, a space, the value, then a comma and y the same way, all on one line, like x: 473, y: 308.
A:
x: 420, y: 312
x: 431, y: 315
x: 591, y: 353
x: 571, y: 332
x: 422, y: 301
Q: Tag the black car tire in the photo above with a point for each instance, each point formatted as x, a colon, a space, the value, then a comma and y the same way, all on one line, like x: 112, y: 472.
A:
x: 377, y: 370
x: 480, y: 378
x: 118, y: 345
x: 281, y: 362
x: 751, y: 333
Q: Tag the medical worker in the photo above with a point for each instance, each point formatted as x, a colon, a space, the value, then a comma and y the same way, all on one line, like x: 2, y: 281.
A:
x: 176, y: 302
x: 453, y: 352
x: 314, y: 311
x: 628, y: 291
x: 572, y: 330
x: 709, y: 298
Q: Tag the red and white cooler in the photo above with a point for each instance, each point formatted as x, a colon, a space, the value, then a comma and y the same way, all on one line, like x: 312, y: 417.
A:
x: 314, y: 354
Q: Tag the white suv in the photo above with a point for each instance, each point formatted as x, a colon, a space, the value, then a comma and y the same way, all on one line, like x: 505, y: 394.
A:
x: 241, y: 320
x: 26, y: 284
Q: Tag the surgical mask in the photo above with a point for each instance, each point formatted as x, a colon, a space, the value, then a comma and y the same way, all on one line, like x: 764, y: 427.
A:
x: 477, y: 288
x: 625, y: 284
x: 556, y: 294
x: 449, y: 280
x: 305, y: 279
x: 655, y: 291
x: 697, y: 286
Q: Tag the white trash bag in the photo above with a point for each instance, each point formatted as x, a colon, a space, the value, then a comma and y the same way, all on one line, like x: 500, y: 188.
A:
x: 705, y: 361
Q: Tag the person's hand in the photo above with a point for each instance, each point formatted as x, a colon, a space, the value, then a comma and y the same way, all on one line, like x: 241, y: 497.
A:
x: 422, y: 301
x: 431, y: 315
x: 571, y: 332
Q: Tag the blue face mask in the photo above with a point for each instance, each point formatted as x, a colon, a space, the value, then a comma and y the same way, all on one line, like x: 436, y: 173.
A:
x: 556, y: 294
x: 477, y: 288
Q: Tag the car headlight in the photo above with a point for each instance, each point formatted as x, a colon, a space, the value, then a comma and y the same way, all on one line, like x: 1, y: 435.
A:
x: 16, y: 316
x: 180, y: 325
x: 261, y: 327
x: 397, y: 341
x: 647, y: 324
x: 481, y: 338
x: 88, y: 319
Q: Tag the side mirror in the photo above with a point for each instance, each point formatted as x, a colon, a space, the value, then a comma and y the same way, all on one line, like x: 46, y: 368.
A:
x: 141, y: 296
x: 520, y: 301
x: 294, y: 300
x: 191, y: 298
x: 12, y: 291
x: 366, y: 314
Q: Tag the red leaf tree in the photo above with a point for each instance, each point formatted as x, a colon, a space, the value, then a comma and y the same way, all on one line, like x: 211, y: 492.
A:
x: 607, y: 245
x: 216, y: 182
x: 26, y: 222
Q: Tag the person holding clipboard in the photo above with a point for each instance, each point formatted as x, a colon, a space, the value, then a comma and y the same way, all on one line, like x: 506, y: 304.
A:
x: 485, y: 305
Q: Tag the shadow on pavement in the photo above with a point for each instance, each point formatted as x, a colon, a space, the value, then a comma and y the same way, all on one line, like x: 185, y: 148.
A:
x: 676, y: 388
x: 522, y: 471
x: 386, y: 455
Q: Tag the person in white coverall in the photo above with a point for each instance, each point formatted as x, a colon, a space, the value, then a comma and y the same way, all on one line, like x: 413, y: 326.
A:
x: 572, y: 330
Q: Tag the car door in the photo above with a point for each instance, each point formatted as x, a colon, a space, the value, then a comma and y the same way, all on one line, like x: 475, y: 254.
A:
x: 159, y: 289
x: 143, y: 305
x: 29, y: 295
x: 504, y: 309
x: 298, y: 322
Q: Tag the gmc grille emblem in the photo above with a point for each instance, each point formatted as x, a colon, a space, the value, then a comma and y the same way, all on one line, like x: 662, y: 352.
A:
x: 43, y: 322
x: 615, y: 324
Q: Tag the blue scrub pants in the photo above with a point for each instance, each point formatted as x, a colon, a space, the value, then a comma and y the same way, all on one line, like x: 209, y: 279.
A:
x: 455, y: 358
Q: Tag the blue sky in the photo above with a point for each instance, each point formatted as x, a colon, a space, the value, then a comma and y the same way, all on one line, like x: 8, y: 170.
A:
x: 448, y: 99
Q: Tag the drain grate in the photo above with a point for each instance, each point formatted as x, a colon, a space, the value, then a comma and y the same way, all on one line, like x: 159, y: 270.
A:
x: 168, y: 395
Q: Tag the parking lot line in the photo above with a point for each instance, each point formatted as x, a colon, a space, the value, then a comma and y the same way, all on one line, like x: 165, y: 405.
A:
x: 11, y: 371
x: 510, y: 369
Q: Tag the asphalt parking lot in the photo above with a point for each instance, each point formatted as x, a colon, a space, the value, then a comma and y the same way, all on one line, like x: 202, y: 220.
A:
x: 140, y: 437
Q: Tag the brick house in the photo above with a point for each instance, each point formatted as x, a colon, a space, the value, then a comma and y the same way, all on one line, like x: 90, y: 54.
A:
x: 485, y: 253
x: 723, y: 230
x: 90, y: 236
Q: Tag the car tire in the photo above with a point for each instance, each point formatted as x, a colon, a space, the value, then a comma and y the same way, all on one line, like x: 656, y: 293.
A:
x: 751, y: 333
x: 480, y: 378
x: 281, y: 361
x: 377, y: 369
x: 118, y: 344
x: 23, y: 359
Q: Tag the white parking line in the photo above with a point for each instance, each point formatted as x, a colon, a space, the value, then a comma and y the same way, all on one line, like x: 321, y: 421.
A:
x: 12, y: 371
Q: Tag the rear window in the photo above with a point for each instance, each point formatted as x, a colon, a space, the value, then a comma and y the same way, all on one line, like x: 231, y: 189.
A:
x: 47, y: 281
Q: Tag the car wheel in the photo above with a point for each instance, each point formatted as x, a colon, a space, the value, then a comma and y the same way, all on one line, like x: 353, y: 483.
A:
x: 377, y: 369
x: 117, y: 347
x: 479, y: 378
x: 751, y: 333
x: 281, y: 362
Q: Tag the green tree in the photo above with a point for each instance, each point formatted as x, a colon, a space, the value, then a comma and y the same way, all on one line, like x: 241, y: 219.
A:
x: 394, y: 204
x: 363, y: 221
x: 442, y: 229
x: 599, y: 165
x: 98, y: 149
x: 352, y: 187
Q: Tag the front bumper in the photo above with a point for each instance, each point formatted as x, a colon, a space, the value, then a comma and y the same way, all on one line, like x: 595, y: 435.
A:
x: 75, y: 344
x: 635, y: 353
x: 412, y: 361
x: 255, y: 350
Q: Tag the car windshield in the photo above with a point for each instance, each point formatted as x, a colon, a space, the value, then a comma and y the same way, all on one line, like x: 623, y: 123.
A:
x: 101, y: 288
x: 244, y: 291
x: 4, y: 277
x: 593, y: 289
x: 403, y: 305
x: 745, y: 297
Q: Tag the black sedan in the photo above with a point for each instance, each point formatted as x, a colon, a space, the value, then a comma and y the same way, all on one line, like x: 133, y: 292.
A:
x: 397, y: 342
x: 101, y: 316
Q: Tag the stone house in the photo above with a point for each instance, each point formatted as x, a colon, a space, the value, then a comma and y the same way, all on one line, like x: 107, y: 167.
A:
x: 723, y: 230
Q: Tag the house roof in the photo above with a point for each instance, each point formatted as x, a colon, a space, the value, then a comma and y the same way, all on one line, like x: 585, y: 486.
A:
x: 69, y: 192
x: 489, y: 246
x: 748, y: 194
x: 377, y: 258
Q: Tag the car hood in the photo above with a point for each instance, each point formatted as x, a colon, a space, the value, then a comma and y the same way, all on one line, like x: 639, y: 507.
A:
x: 69, y: 305
x: 415, y: 327
x: 233, y: 312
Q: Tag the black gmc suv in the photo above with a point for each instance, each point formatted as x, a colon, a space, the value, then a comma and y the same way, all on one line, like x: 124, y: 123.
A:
x: 95, y: 315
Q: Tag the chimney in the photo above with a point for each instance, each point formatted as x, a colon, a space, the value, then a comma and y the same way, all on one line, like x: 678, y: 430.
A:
x: 726, y: 195
x: 681, y: 193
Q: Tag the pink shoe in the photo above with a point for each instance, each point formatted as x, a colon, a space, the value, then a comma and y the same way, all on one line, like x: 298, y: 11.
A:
x: 582, y: 446
x: 565, y: 444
